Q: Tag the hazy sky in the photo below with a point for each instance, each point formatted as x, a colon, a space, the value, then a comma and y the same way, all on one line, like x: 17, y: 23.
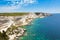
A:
x: 50, y: 6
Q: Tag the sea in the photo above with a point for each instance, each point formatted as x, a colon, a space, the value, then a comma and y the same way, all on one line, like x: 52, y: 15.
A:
x: 47, y: 28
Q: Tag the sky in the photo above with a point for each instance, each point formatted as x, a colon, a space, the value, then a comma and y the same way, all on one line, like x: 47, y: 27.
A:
x: 47, y: 6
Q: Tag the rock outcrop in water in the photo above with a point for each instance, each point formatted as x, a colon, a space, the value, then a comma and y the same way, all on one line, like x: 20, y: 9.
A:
x: 10, y: 24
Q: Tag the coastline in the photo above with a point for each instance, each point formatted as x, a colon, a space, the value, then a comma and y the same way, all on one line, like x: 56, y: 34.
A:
x: 13, y: 30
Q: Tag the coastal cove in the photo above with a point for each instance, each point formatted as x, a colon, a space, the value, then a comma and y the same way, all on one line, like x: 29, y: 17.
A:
x: 47, y: 28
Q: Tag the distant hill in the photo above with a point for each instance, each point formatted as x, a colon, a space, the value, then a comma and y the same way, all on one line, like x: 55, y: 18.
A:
x: 23, y: 13
x: 12, y: 14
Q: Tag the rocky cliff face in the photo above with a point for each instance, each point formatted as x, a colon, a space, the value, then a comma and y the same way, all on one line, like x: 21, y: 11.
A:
x: 42, y: 14
x: 10, y: 23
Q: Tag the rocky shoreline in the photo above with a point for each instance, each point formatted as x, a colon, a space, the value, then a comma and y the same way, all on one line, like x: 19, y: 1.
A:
x: 11, y: 24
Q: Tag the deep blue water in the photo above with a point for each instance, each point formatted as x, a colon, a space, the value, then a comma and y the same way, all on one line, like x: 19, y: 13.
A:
x: 47, y: 28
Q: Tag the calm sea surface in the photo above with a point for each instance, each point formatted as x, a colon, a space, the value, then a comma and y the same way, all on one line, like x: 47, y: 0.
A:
x: 47, y: 28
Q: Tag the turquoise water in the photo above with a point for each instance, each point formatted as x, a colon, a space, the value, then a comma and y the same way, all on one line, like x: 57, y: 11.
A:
x: 47, y: 28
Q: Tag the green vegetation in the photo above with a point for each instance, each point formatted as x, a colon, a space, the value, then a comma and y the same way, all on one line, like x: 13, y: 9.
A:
x: 10, y: 30
x: 3, y: 36
x: 22, y: 26
x: 12, y: 14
